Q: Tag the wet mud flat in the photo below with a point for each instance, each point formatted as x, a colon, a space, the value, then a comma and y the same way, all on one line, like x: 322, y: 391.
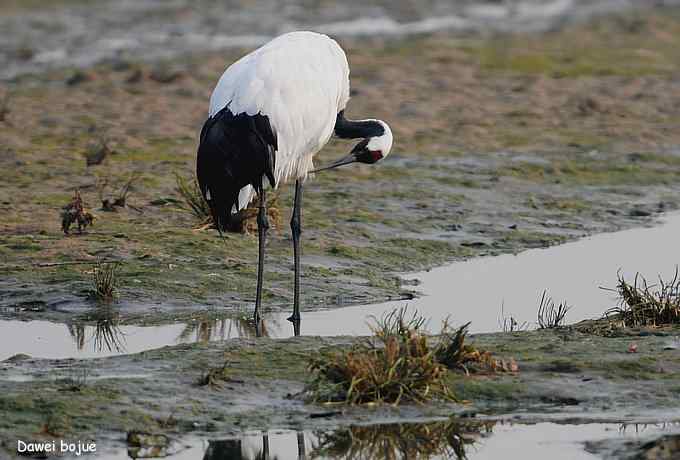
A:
x: 532, y: 147
x: 565, y: 377
x: 542, y: 139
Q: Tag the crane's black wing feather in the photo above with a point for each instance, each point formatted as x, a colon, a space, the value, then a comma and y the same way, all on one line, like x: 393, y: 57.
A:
x: 234, y: 151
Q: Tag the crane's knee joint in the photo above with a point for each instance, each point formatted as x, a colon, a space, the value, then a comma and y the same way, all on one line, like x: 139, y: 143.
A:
x: 295, y: 226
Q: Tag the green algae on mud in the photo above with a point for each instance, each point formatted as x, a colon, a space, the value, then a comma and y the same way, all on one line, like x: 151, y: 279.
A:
x: 562, y: 373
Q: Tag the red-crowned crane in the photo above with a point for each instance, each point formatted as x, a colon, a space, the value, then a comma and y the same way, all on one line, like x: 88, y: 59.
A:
x: 270, y: 113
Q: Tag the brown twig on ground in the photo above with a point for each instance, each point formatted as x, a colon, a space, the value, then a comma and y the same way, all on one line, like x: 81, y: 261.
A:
x: 75, y: 212
x: 120, y: 200
x: 641, y: 304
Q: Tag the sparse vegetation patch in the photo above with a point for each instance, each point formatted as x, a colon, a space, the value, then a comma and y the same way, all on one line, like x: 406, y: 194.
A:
x: 550, y: 315
x: 104, y: 281
x: 397, y: 364
x: 643, y: 304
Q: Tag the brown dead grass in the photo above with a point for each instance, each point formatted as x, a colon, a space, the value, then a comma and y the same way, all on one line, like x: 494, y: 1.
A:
x: 397, y: 365
x: 643, y: 304
x: 401, y: 362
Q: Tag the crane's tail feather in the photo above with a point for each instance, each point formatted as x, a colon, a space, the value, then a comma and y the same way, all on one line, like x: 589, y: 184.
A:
x: 235, y: 155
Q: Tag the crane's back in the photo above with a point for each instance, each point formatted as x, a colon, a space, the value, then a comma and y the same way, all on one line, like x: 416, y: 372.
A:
x: 298, y: 83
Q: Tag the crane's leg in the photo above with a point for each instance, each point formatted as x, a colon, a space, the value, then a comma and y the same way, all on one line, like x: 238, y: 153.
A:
x: 296, y: 228
x: 262, y: 227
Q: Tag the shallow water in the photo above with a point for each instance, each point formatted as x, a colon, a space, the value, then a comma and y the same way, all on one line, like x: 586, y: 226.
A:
x: 474, y: 290
x: 44, y: 339
x: 432, y: 440
x: 480, y: 290
x: 82, y: 33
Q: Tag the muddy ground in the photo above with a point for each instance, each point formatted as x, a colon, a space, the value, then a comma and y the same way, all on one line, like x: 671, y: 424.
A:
x: 564, y: 376
x: 501, y: 144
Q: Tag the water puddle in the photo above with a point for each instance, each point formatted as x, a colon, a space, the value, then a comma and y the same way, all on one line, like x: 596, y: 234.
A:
x: 447, y: 439
x: 479, y: 290
x: 44, y: 339
x: 475, y: 290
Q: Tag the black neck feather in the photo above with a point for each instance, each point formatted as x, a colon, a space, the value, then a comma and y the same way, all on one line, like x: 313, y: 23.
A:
x: 350, y: 129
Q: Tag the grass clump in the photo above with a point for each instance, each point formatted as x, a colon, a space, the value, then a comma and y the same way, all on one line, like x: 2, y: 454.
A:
x: 642, y: 304
x: 397, y: 364
x: 105, y: 281
x: 401, y: 362
x: 193, y: 200
x: 551, y: 316
x: 244, y: 221
x: 454, y: 353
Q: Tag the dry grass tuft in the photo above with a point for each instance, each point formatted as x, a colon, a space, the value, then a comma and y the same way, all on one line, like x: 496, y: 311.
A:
x: 244, y: 221
x: 104, y: 281
x: 215, y: 377
x: 454, y: 353
x: 398, y: 365
x: 509, y: 323
x: 551, y: 316
x: 75, y: 213
x: 641, y: 304
x: 445, y: 439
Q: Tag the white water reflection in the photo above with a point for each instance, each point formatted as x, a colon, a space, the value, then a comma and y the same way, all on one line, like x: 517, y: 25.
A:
x: 44, y: 339
x: 448, y: 439
x: 466, y: 291
x: 475, y: 290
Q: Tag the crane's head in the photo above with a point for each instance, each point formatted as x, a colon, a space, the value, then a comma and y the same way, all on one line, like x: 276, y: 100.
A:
x: 376, y: 146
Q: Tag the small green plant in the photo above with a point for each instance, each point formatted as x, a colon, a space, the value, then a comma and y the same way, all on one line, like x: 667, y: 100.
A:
x: 641, y: 304
x: 551, y: 316
x: 105, y: 280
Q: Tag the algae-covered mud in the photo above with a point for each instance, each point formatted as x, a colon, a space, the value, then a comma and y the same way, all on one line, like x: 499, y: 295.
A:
x: 564, y: 377
x: 524, y: 126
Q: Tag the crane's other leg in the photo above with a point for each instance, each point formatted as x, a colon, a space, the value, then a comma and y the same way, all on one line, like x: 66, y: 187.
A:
x: 296, y: 228
x: 262, y: 227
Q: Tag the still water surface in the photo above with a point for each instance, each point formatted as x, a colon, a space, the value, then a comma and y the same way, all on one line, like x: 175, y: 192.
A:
x: 474, y: 290
x: 432, y: 440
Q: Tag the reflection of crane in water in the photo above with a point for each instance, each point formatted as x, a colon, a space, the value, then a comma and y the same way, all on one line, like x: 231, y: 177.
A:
x: 450, y: 439
x: 270, y: 113
x: 222, y: 328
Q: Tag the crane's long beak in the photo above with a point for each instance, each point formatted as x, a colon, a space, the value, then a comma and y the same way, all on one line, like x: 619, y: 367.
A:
x: 351, y: 158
